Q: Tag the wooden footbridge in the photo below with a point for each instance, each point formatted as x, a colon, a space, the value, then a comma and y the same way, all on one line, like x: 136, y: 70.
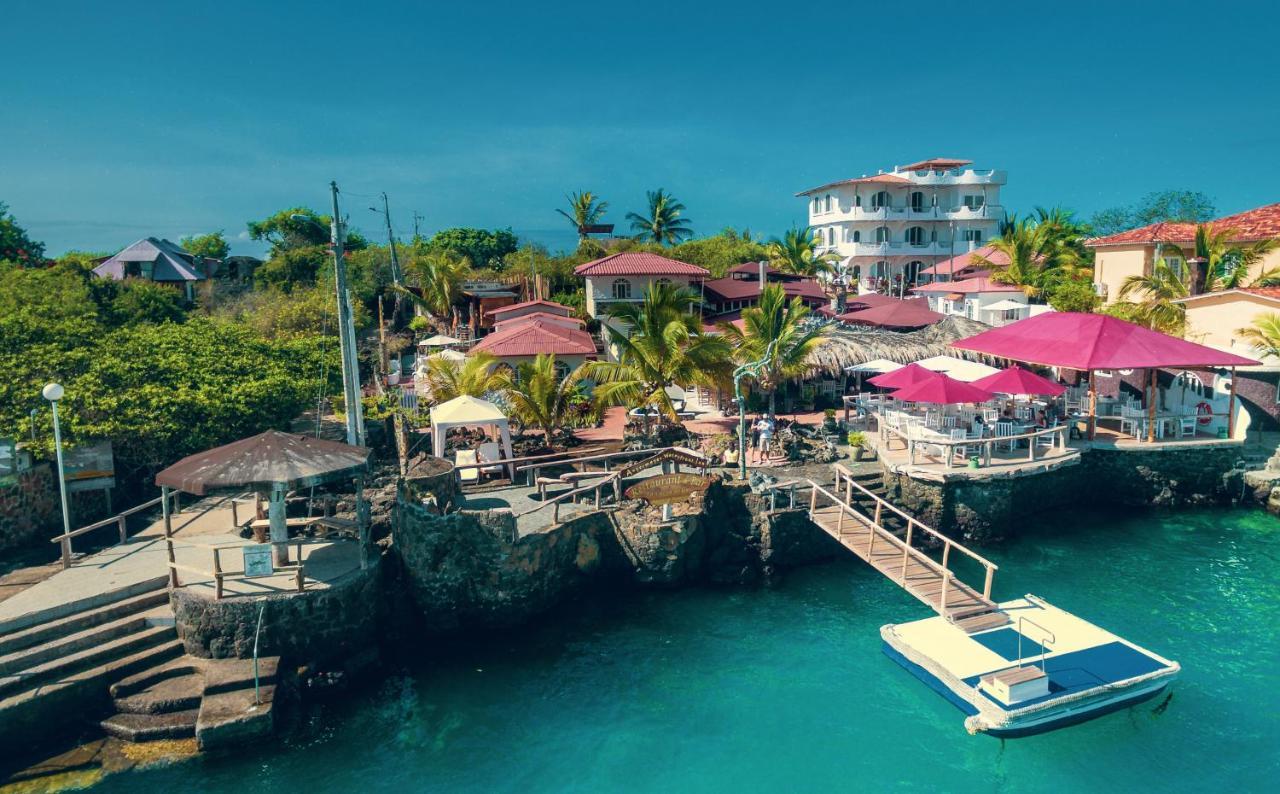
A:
x: 899, y: 553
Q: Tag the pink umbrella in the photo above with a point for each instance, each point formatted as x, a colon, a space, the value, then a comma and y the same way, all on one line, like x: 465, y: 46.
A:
x: 1016, y: 380
x: 943, y: 390
x: 909, y: 375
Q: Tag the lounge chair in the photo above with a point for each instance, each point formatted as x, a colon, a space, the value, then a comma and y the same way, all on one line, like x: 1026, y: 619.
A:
x: 464, y: 457
x: 490, y: 452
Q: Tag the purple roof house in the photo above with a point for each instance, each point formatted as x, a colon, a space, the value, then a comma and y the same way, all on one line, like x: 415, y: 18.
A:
x: 158, y: 260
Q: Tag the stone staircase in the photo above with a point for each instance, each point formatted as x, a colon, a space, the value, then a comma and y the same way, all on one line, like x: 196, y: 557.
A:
x: 873, y: 481
x: 56, y: 666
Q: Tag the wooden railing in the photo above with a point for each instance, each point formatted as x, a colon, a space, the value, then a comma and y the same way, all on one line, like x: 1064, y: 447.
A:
x: 1058, y: 441
x: 844, y: 475
x: 606, y: 459
x: 549, y: 458
x: 614, y: 480
x: 297, y: 568
x: 121, y: 520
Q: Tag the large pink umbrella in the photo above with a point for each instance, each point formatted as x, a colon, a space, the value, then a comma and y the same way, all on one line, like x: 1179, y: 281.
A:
x: 909, y: 375
x: 1016, y: 380
x: 899, y: 314
x: 943, y: 390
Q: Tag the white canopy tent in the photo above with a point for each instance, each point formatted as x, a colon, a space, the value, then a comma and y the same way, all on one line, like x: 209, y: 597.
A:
x: 958, y: 368
x: 467, y: 411
x: 450, y: 355
x: 439, y: 340
x: 877, y: 365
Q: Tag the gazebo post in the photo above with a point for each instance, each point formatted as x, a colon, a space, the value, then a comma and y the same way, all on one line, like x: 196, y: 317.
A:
x: 1151, y: 406
x: 1093, y: 404
x: 1231, y: 407
x: 168, y: 536
x: 279, y: 524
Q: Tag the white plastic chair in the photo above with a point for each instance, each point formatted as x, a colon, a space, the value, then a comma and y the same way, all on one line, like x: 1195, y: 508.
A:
x: 490, y: 452
x: 464, y: 457
x: 962, y: 451
x: 1187, y: 425
x: 1004, y: 430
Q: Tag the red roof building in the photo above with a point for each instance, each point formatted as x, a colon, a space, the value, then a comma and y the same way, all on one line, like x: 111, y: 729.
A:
x: 559, y: 319
x: 1262, y: 223
x: 639, y: 263
x: 966, y: 264
x: 741, y: 288
x: 534, y: 337
x: 529, y: 307
x: 901, y: 315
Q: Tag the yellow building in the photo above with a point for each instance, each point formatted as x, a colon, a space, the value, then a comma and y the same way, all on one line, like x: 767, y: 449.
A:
x: 1133, y: 253
x: 1215, y: 318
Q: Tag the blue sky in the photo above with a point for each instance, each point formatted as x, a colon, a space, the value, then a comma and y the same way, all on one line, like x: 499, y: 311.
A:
x: 121, y: 120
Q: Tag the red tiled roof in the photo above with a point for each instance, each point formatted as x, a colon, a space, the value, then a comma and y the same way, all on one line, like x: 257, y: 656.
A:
x: 565, y: 310
x: 537, y: 336
x: 1261, y: 223
x: 936, y: 162
x: 638, y: 263
x: 870, y: 300
x: 887, y: 179
x: 548, y: 316
x: 711, y: 325
x: 966, y: 260
x: 727, y: 289
x: 968, y: 286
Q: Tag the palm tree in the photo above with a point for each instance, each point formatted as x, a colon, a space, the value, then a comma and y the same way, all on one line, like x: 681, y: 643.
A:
x: 538, y: 396
x: 774, y: 319
x: 663, y: 224
x: 474, y: 377
x: 663, y: 344
x: 1264, y: 334
x: 797, y: 252
x: 1038, y: 257
x: 1227, y: 265
x: 585, y: 209
x: 438, y: 275
x: 1159, y: 292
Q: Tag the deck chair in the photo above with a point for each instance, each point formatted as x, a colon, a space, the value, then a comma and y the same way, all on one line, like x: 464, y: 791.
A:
x: 490, y: 452
x: 463, y: 457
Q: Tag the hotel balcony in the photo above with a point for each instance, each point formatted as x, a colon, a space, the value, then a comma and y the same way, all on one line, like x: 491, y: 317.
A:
x: 959, y: 213
x: 900, y: 248
x: 957, y: 176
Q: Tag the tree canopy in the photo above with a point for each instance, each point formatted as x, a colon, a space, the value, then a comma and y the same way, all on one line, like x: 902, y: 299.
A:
x: 212, y: 245
x: 484, y: 248
x: 15, y: 244
x: 1189, y: 206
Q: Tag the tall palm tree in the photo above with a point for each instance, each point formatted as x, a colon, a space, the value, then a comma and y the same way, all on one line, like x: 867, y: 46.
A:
x: 438, y: 275
x: 663, y: 223
x: 474, y: 377
x: 663, y: 344
x: 1159, y: 292
x: 585, y: 209
x: 1227, y: 265
x: 538, y: 396
x: 774, y: 319
x: 1264, y: 334
x: 797, y: 252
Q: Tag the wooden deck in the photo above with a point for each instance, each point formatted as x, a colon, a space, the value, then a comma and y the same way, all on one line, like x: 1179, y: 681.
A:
x: 895, y: 556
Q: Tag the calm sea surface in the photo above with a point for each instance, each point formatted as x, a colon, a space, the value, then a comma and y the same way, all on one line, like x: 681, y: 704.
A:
x: 786, y: 689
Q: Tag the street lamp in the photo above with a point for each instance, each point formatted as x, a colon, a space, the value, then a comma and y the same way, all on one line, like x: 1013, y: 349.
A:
x: 53, y: 392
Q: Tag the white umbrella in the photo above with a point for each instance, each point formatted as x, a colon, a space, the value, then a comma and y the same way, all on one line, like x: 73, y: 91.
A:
x: 877, y: 365
x: 958, y: 368
x: 450, y: 355
x: 439, y: 340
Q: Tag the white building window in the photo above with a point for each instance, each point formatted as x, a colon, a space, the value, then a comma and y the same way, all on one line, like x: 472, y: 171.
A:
x: 880, y: 199
x: 663, y: 281
x: 562, y: 370
x: 974, y: 202
x: 827, y: 204
x: 917, y: 201
x: 882, y: 234
x: 915, y: 235
x: 880, y: 269
x: 973, y: 235
x: 857, y: 236
x: 1176, y: 264
x: 913, y: 270
x: 621, y: 289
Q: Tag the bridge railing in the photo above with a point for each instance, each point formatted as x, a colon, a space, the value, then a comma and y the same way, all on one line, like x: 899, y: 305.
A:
x: 121, y: 520
x: 845, y: 476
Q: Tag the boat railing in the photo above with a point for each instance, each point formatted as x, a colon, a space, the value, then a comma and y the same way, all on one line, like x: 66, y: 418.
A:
x: 850, y: 484
x: 1049, y: 639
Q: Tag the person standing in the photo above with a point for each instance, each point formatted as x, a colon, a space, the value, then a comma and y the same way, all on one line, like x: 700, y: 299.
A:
x: 766, y: 438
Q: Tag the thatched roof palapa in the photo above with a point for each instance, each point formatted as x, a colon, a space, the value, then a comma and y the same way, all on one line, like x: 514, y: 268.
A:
x: 842, y: 347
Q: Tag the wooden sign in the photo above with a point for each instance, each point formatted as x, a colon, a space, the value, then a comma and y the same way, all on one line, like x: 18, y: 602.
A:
x: 665, y: 489
x: 257, y: 561
x: 676, y: 454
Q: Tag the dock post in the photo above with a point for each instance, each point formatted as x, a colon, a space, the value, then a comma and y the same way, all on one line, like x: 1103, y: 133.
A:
x: 946, y: 553
x: 217, y: 574
x: 879, y: 507
x: 123, y: 522
x: 813, y: 500
x: 946, y: 582
x: 986, y: 587
x: 906, y: 549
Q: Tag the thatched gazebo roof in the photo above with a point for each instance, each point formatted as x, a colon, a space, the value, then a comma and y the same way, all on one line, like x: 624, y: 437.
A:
x: 844, y: 347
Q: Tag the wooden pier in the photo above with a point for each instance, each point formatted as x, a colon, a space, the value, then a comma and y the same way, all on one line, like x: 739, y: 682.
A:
x: 895, y: 554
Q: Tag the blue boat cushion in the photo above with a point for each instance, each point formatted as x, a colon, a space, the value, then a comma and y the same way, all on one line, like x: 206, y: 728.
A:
x: 1080, y: 670
x: 1005, y: 642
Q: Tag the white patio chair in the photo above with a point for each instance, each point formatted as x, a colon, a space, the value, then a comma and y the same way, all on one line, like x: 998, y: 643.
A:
x: 990, y: 415
x: 948, y: 422
x: 489, y: 452
x: 961, y: 451
x: 1187, y: 425
x: 1004, y: 430
x: 464, y: 457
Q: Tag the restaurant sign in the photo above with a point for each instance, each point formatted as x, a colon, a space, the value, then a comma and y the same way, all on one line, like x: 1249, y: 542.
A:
x: 674, y: 454
x: 665, y: 489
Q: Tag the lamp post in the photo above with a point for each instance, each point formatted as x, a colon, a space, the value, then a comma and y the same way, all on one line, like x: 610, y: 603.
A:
x: 53, y: 392
x: 751, y: 368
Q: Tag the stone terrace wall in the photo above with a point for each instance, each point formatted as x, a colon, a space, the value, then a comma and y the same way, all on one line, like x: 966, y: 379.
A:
x: 979, y: 510
x: 28, y: 507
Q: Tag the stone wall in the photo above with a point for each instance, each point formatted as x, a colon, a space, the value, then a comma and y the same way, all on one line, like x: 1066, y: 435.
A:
x: 980, y: 510
x: 318, y: 625
x: 29, y: 507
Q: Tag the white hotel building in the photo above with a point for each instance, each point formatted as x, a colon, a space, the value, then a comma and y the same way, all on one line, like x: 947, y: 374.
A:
x: 888, y: 227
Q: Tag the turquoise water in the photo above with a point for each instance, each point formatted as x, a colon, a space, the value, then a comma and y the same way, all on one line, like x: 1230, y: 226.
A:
x: 786, y: 689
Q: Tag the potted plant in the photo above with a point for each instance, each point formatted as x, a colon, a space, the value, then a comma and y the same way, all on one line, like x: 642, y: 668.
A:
x: 829, y: 420
x: 858, y: 440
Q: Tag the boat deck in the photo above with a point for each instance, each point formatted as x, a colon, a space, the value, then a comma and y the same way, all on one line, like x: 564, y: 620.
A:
x: 1090, y: 671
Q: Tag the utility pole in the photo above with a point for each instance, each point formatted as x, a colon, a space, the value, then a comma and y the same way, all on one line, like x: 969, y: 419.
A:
x: 416, y: 218
x: 391, y: 240
x: 346, y: 330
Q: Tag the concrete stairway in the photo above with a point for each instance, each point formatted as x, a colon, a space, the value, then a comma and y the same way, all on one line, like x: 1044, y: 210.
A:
x: 55, y: 668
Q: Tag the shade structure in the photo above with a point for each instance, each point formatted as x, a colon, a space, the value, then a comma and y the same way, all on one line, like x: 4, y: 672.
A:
x: 439, y: 340
x: 1016, y: 380
x: 943, y: 390
x: 901, y: 314
x: 958, y: 368
x: 450, y: 355
x: 1005, y: 305
x: 869, y: 300
x: 878, y: 365
x: 1094, y: 341
x: 909, y: 375
x: 467, y: 411
x: 273, y: 458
